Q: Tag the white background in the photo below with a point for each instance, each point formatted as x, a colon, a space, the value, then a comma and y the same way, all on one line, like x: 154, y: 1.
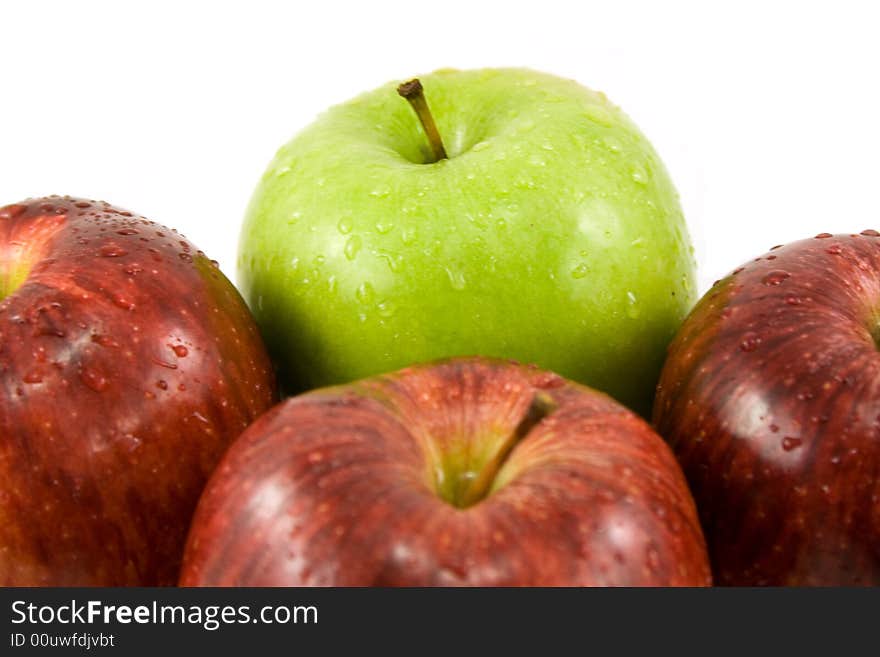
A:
x: 766, y: 114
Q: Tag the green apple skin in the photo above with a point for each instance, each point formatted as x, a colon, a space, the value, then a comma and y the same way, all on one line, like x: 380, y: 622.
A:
x: 552, y: 235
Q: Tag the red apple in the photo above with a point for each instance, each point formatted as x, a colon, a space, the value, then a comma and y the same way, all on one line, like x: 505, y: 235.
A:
x: 463, y: 472
x: 127, y: 364
x: 770, y: 398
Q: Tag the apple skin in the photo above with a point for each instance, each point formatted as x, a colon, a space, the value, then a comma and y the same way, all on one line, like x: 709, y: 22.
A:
x: 127, y: 364
x: 343, y: 487
x: 551, y: 235
x: 770, y: 398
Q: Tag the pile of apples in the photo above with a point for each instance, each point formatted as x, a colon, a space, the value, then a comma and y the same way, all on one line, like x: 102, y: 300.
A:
x: 466, y: 302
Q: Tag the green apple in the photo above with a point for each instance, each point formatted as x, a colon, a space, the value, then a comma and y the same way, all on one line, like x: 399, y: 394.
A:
x: 551, y: 235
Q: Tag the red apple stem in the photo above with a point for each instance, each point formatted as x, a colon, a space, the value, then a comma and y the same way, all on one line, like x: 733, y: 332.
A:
x: 415, y: 95
x: 542, y: 405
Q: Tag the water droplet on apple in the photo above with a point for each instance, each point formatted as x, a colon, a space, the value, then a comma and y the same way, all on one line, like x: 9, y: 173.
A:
x: 501, y: 223
x: 793, y: 300
x: 823, y: 236
x: 632, y: 309
x: 319, y: 260
x: 352, y: 246
x: 180, y: 351
x: 123, y: 303
x: 345, y: 225
x: 162, y: 384
x: 870, y: 232
x: 294, y: 263
x: 381, y: 192
x: 104, y: 340
x: 598, y: 114
x: 384, y: 226
x: 639, y: 175
x: 111, y: 250
x: 281, y: 171
x: 12, y: 211
x: 481, y: 146
x: 365, y: 293
x: 132, y: 268
x: 130, y: 442
x: 580, y: 271
x: 750, y: 341
x: 652, y: 559
x: 93, y: 379
x: 386, y: 309
x: 790, y: 442
x: 612, y: 144
x: 394, y: 262
x: 456, y: 279
x: 331, y: 284
x: 34, y: 376
x: 408, y: 234
x: 164, y: 363
x: 523, y: 182
x: 294, y: 217
x: 537, y: 161
x: 547, y: 380
x: 834, y: 249
x: 186, y: 257
x: 775, y: 277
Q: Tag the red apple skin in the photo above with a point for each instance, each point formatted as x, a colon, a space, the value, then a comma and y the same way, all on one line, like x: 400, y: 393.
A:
x: 770, y: 398
x: 336, y: 488
x: 127, y: 364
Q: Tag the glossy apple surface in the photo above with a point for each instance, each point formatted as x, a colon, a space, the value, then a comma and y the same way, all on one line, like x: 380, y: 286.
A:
x: 464, y: 472
x: 551, y: 235
x: 771, y: 401
x: 127, y: 364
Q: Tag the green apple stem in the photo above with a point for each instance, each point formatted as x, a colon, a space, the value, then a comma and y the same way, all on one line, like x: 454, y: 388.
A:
x: 415, y: 94
x: 542, y: 405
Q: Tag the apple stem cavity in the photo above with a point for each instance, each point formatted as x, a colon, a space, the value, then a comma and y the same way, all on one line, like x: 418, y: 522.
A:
x: 413, y: 92
x: 481, y: 485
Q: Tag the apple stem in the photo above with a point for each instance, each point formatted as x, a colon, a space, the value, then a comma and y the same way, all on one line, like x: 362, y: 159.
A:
x: 542, y: 405
x: 415, y: 95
